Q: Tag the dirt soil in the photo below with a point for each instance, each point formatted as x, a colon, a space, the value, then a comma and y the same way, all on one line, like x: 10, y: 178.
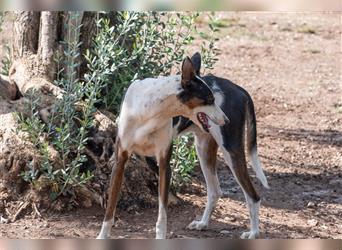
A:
x: 291, y: 66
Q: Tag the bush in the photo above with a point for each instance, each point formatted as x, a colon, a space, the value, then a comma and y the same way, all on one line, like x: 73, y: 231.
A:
x: 149, y: 44
x: 139, y: 45
x: 184, y: 160
x: 2, y: 14
x: 6, y: 60
x: 67, y: 127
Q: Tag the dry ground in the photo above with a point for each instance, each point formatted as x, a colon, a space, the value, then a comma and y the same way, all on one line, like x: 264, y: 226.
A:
x: 291, y: 65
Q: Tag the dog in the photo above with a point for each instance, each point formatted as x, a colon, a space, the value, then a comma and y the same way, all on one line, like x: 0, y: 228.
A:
x: 155, y: 110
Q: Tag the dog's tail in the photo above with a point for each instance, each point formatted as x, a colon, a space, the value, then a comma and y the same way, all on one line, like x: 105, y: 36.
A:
x: 252, y: 148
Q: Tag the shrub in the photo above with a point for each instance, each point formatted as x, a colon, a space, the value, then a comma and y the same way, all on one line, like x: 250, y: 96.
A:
x: 139, y: 45
x: 6, y: 60
x: 184, y: 160
x: 148, y: 44
x: 67, y: 127
x: 2, y: 14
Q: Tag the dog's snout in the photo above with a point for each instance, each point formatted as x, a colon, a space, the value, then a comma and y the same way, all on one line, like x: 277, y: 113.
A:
x: 220, y: 120
x: 226, y: 120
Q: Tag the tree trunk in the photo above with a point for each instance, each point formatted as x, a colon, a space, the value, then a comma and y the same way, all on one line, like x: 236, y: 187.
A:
x: 48, y: 42
x: 26, y: 29
x: 37, y: 37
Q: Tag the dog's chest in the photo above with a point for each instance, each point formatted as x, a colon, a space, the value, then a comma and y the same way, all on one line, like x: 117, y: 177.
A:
x: 148, y: 139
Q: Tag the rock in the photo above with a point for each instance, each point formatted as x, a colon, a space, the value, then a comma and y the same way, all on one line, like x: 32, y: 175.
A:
x: 123, y: 236
x: 3, y: 220
x: 225, y: 232
x: 311, y: 204
x: 312, y: 222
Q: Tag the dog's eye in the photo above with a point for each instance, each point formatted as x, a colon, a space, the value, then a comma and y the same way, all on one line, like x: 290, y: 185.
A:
x: 210, y: 100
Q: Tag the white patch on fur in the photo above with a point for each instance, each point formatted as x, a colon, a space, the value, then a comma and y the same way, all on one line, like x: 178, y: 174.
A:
x: 105, y: 230
x: 217, y: 94
x: 255, y: 162
x: 215, y: 131
x: 253, y: 208
x: 161, y: 225
x: 145, y: 123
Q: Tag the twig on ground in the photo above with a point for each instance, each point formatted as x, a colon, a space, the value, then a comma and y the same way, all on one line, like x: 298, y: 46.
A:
x: 36, y: 211
x: 22, y: 207
x: 9, y: 215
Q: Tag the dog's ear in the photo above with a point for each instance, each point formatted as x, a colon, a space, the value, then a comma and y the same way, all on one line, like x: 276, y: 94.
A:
x: 196, y: 61
x: 188, y: 72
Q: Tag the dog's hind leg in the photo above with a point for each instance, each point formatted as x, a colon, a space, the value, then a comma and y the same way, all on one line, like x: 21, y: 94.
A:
x: 237, y: 163
x: 121, y: 158
x: 206, y: 148
x: 164, y: 184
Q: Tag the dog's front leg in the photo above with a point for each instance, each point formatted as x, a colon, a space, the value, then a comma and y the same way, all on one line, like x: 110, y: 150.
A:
x: 164, y: 184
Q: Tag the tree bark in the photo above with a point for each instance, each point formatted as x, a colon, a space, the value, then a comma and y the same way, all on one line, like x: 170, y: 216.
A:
x: 88, y: 32
x: 48, y: 42
x: 26, y: 28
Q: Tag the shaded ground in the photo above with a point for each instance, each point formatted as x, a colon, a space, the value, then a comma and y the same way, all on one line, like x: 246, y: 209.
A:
x: 291, y: 65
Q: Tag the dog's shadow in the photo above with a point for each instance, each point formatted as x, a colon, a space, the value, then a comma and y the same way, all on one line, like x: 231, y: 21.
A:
x: 288, y: 190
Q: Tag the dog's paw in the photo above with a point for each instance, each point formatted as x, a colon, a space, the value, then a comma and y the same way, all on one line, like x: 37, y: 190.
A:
x: 101, y: 237
x: 197, y: 225
x: 250, y: 235
x: 160, y: 234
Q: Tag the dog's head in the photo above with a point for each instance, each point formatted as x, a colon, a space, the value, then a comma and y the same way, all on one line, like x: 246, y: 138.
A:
x: 198, y: 97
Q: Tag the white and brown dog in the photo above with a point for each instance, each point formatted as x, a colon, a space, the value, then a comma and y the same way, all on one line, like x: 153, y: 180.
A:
x: 154, y: 111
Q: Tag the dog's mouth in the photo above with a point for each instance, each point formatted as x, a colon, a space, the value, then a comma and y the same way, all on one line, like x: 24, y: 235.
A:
x: 203, y: 119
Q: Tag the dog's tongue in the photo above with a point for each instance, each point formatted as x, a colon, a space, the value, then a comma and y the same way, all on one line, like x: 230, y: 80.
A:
x: 204, y: 119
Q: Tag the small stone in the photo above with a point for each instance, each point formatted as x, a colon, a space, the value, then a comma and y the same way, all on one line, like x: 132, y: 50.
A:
x: 225, y: 232
x: 312, y: 223
x: 3, y: 220
x: 311, y: 205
